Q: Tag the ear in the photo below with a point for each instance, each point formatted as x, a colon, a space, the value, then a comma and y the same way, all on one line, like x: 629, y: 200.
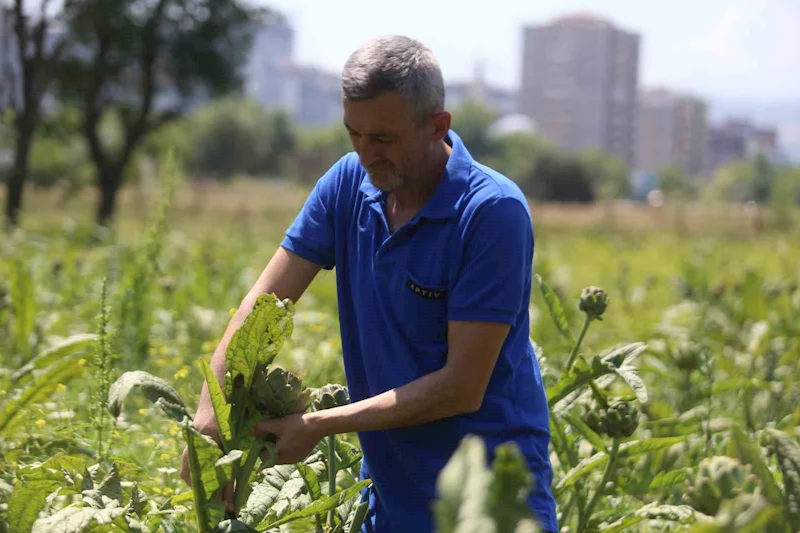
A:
x: 440, y: 124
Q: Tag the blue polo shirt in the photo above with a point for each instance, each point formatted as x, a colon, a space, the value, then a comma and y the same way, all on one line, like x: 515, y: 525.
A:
x: 467, y: 255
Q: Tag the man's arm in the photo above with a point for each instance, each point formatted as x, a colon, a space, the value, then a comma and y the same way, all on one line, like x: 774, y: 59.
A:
x: 287, y: 275
x: 456, y: 388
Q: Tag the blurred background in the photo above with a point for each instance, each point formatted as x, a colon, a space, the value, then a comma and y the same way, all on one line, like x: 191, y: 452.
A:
x: 594, y: 109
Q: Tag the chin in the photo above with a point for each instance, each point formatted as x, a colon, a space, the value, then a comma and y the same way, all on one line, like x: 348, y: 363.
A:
x: 385, y: 183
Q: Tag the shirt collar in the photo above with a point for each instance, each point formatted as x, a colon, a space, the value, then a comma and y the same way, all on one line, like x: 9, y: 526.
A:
x: 444, y: 202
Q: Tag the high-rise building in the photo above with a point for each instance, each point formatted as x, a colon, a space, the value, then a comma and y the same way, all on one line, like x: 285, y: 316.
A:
x: 579, y: 83
x: 672, y: 129
x: 738, y: 139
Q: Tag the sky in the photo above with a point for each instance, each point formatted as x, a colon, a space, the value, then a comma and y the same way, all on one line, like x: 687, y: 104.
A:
x: 732, y: 49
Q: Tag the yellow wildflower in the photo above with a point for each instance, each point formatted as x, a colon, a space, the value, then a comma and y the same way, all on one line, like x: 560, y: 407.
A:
x: 61, y: 387
x: 165, y: 457
x: 142, y: 411
x: 149, y: 441
x: 116, y: 434
x: 40, y: 423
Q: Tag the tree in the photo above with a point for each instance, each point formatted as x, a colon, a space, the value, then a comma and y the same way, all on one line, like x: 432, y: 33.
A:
x: 608, y: 173
x: 235, y: 135
x: 36, y: 57
x: 560, y: 176
x: 147, y: 61
x: 471, y: 120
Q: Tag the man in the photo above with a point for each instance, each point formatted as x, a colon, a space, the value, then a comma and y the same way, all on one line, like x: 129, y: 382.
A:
x: 433, y: 255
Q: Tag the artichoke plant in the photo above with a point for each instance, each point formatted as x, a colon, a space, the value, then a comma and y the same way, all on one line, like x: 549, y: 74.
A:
x: 330, y: 396
x: 593, y: 302
x: 278, y: 393
x: 717, y: 479
x: 619, y: 419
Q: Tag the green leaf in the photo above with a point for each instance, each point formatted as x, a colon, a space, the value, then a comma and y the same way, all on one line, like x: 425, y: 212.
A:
x: 259, y: 338
x: 76, y: 519
x: 266, y: 493
x: 652, y: 511
x: 37, y: 482
x: 41, y: 388
x: 320, y: 506
x: 665, y: 479
x: 556, y: 309
x: 585, y: 431
x: 628, y: 449
x: 581, y: 374
x: 28, y: 500
x: 222, y: 409
x: 630, y: 374
x: 356, y: 518
x: 787, y: 452
x: 745, y: 449
x: 153, y: 388
x: 311, y: 481
x: 71, y: 346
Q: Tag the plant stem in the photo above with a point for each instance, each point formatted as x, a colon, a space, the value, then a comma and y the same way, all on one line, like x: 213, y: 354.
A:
x: 331, y: 473
x: 242, y: 488
x: 612, y: 460
x: 578, y: 343
x: 573, y: 462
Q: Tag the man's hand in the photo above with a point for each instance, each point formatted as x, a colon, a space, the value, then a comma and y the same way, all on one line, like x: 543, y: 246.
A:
x: 296, y: 437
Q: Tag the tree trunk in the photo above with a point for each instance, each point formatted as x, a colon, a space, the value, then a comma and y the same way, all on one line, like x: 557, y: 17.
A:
x: 109, y: 179
x: 19, y: 173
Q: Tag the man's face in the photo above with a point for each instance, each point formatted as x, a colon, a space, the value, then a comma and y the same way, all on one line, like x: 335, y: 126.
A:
x: 392, y: 147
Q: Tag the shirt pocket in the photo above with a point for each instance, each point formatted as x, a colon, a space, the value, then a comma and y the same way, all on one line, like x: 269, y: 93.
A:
x: 422, y: 309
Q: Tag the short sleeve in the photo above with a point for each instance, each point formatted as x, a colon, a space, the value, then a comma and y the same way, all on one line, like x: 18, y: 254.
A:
x: 312, y: 234
x: 497, y: 261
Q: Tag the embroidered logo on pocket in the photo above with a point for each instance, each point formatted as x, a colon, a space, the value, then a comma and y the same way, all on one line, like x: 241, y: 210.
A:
x: 428, y: 294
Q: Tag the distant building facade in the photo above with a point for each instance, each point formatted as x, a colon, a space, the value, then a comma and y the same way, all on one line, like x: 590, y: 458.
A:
x: 672, y: 129
x: 579, y: 84
x: 737, y: 139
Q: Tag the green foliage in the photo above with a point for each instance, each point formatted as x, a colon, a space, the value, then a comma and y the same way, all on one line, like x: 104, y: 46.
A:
x: 472, y: 120
x: 475, y: 498
x: 237, y: 136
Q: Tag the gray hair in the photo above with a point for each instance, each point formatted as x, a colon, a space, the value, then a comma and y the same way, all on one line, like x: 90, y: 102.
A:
x: 398, y: 64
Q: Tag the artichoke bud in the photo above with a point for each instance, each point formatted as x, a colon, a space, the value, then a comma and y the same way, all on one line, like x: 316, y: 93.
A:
x: 330, y: 396
x: 717, y: 479
x: 687, y: 356
x: 594, y: 301
x: 622, y: 419
x: 279, y: 393
x: 595, y: 419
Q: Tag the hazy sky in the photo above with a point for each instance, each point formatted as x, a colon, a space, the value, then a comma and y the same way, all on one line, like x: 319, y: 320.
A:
x: 716, y: 48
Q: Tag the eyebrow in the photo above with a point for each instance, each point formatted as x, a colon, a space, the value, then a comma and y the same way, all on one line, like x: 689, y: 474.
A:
x: 376, y: 134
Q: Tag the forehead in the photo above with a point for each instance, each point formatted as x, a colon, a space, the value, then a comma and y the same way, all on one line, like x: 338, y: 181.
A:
x: 387, y: 112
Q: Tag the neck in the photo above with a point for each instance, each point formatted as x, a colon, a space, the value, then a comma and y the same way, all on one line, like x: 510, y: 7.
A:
x: 418, y: 190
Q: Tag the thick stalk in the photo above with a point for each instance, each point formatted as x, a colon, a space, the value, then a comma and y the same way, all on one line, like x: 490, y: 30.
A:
x: 242, y: 488
x: 578, y: 343
x: 612, y: 460
x: 331, y: 474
